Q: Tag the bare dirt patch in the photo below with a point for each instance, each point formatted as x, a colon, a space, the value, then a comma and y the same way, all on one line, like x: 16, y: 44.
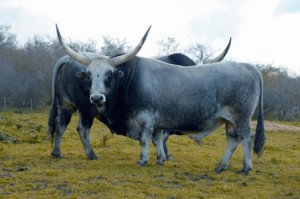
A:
x: 273, y: 126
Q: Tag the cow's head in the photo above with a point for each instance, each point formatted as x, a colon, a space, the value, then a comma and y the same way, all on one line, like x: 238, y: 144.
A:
x: 101, y: 69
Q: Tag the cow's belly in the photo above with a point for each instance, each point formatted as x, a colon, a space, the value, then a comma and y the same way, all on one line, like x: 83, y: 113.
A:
x: 202, y: 130
x: 198, y: 136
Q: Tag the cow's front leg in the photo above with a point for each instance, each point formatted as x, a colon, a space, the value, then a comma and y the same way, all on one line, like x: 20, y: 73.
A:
x: 83, y: 129
x: 145, y: 140
x: 85, y: 139
x: 158, y: 142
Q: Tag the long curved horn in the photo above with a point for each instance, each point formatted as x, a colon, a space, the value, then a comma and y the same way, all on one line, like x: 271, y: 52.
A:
x: 223, y: 54
x: 128, y: 56
x: 83, y: 59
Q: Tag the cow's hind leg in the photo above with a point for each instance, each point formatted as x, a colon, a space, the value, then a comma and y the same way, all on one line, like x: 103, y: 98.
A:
x: 166, y: 134
x: 245, y: 137
x: 158, y: 140
x: 232, y: 143
x: 83, y: 128
x: 63, y: 119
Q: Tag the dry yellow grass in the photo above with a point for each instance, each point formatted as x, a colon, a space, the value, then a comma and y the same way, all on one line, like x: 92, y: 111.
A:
x: 28, y: 171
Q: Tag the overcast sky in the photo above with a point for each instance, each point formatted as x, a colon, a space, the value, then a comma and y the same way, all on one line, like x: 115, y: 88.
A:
x: 263, y: 31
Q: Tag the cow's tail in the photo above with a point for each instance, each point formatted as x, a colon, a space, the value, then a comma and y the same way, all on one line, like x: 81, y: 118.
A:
x: 52, y: 125
x: 259, y: 139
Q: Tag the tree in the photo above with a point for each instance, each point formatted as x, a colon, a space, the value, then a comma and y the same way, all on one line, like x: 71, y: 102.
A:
x: 167, y: 46
x: 89, y: 46
x: 8, y: 54
x: 200, y: 53
x: 113, y: 46
x: 7, y: 39
x: 288, y: 98
x: 8, y: 46
x: 281, y: 93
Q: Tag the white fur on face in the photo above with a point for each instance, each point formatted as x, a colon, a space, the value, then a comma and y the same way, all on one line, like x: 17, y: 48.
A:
x: 98, y: 70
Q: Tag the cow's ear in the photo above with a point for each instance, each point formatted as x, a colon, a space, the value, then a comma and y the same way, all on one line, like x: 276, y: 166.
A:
x: 80, y: 75
x: 119, y: 74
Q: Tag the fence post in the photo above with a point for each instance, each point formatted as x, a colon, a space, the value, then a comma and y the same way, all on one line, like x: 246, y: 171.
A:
x: 4, y: 103
x: 31, y: 105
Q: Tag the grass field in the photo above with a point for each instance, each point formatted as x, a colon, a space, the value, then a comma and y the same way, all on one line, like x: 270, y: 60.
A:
x: 28, y: 171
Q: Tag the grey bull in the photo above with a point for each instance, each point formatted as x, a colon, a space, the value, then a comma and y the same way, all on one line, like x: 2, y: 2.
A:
x: 152, y: 95
x: 142, y: 96
x: 70, y: 93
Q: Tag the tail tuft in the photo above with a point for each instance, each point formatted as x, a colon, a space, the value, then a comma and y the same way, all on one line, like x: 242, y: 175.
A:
x: 259, y: 139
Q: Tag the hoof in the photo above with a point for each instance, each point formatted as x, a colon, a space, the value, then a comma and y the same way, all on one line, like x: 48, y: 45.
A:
x: 141, y: 163
x: 169, y: 157
x: 243, y: 171
x: 160, y: 159
x: 221, y: 168
x: 217, y: 170
x: 92, y: 157
x: 56, y: 156
x: 160, y: 163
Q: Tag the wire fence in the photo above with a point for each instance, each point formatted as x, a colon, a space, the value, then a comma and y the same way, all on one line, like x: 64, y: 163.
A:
x: 28, y: 104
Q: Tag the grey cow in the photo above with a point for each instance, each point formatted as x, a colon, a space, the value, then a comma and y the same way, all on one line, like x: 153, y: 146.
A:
x: 142, y: 96
x: 70, y: 93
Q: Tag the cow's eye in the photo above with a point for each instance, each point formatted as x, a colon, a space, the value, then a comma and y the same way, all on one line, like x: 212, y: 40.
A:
x: 80, y: 75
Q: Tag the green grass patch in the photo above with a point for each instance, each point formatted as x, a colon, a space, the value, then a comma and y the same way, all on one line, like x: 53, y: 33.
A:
x: 28, y: 171
x: 290, y: 123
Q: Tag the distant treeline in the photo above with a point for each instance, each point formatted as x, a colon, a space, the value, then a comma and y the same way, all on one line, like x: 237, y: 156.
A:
x: 26, y: 71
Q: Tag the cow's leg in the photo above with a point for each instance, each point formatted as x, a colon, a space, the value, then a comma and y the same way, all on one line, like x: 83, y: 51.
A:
x: 145, y: 140
x: 157, y: 138
x: 166, y: 137
x: 232, y: 143
x: 63, y: 119
x: 246, y: 140
x: 83, y: 128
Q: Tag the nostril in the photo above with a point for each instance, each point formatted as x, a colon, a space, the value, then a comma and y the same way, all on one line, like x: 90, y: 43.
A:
x: 97, y: 99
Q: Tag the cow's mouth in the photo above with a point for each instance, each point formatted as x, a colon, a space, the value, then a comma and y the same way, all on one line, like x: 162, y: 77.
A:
x: 101, y: 108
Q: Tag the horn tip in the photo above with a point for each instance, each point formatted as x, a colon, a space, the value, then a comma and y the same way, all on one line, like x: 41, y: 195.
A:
x: 58, y: 34
x: 148, y: 29
x: 228, y: 45
x: 146, y: 34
